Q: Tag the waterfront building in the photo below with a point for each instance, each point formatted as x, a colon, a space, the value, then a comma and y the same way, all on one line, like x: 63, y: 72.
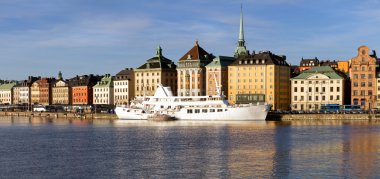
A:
x: 191, y: 72
x: 306, y: 64
x: 81, y: 89
x: 61, y: 91
x: 124, y: 88
x: 156, y: 70
x: 363, y: 78
x: 41, y: 91
x: 262, y: 77
x: 317, y: 86
x: 103, y: 91
x: 217, y: 75
x: 21, y: 91
x: 6, y: 93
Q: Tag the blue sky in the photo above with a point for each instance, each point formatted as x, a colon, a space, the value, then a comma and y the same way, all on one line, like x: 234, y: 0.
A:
x: 42, y: 37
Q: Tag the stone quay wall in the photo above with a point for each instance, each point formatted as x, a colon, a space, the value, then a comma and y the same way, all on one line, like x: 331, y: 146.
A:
x: 291, y: 117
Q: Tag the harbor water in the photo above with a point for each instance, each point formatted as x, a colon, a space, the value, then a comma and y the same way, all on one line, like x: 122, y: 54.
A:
x: 78, y: 148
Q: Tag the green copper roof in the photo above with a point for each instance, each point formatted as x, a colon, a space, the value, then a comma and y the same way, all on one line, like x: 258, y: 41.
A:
x: 220, y: 61
x: 106, y: 81
x: 7, y: 86
x: 325, y: 70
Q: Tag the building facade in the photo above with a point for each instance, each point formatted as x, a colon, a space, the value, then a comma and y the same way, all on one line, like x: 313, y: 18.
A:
x: 363, y: 79
x: 61, y: 91
x: 124, y: 88
x: 317, y: 86
x: 191, y: 72
x: 217, y: 75
x: 82, y: 89
x: 104, y: 91
x: 157, y: 70
x: 262, y: 77
x: 6, y: 93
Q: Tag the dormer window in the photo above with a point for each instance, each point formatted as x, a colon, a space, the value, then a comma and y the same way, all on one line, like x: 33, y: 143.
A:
x: 262, y: 61
x: 188, y: 56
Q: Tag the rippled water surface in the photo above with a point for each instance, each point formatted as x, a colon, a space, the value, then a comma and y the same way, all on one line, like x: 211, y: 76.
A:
x: 55, y: 148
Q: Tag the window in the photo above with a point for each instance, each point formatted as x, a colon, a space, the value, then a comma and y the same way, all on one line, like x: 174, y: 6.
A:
x: 369, y: 84
x: 369, y: 76
x: 356, y: 93
x: 316, y: 89
x: 212, y: 110
x: 204, y: 110
x: 363, y: 68
x: 220, y: 110
x: 362, y: 84
x: 331, y: 97
x: 370, y: 92
x: 362, y: 76
x: 323, y: 89
x: 295, y: 89
x: 337, y: 97
x: 355, y: 84
x: 189, y: 111
x: 310, y: 89
x: 295, y: 98
x: 323, y: 98
x: 316, y: 98
x: 355, y: 76
x: 197, y: 111
x: 310, y: 98
x: 337, y: 89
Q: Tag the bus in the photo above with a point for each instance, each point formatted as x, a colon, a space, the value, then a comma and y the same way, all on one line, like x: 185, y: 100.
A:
x: 329, y: 108
x: 347, y: 108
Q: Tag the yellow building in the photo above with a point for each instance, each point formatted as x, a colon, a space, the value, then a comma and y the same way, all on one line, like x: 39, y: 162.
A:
x: 343, y: 66
x: 157, y: 70
x: 262, y: 77
x: 61, y: 91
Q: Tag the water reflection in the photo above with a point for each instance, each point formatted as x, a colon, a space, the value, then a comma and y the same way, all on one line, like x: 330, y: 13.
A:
x: 142, y: 149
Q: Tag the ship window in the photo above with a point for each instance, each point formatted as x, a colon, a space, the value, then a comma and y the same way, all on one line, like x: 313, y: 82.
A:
x: 189, y: 111
x: 220, y: 110
x: 212, y: 110
x: 197, y: 111
x: 204, y: 110
x: 225, y: 109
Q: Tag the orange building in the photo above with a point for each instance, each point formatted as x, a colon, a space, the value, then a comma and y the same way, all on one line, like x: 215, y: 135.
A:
x: 343, y: 66
x: 82, y: 93
x: 363, y: 78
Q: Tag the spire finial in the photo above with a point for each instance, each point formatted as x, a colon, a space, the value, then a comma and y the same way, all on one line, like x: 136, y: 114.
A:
x: 158, y: 51
x: 196, y: 42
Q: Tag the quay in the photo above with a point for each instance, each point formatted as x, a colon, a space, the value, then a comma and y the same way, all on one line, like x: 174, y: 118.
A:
x: 61, y: 115
x: 293, y: 117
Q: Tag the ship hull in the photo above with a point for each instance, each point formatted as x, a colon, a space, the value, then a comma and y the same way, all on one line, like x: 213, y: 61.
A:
x: 249, y: 113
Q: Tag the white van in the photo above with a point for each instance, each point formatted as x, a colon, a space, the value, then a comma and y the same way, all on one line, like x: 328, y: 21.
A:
x: 39, y: 109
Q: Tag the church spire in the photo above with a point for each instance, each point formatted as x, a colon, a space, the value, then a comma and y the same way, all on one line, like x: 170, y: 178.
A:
x: 59, y: 75
x: 241, y: 31
x: 241, y: 49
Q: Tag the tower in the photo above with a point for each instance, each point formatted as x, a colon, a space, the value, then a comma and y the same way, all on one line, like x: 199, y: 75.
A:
x: 241, y: 49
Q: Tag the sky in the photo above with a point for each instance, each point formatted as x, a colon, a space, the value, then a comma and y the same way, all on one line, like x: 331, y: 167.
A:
x: 77, y: 37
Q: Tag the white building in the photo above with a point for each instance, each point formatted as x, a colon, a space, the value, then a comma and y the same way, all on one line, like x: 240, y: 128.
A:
x: 123, y: 86
x: 316, y: 86
x: 6, y: 93
x: 103, y: 91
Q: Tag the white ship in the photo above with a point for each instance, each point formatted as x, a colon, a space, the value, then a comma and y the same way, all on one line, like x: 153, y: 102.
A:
x: 195, y: 108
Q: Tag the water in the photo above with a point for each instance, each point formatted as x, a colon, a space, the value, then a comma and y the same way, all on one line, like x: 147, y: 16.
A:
x: 51, y: 148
